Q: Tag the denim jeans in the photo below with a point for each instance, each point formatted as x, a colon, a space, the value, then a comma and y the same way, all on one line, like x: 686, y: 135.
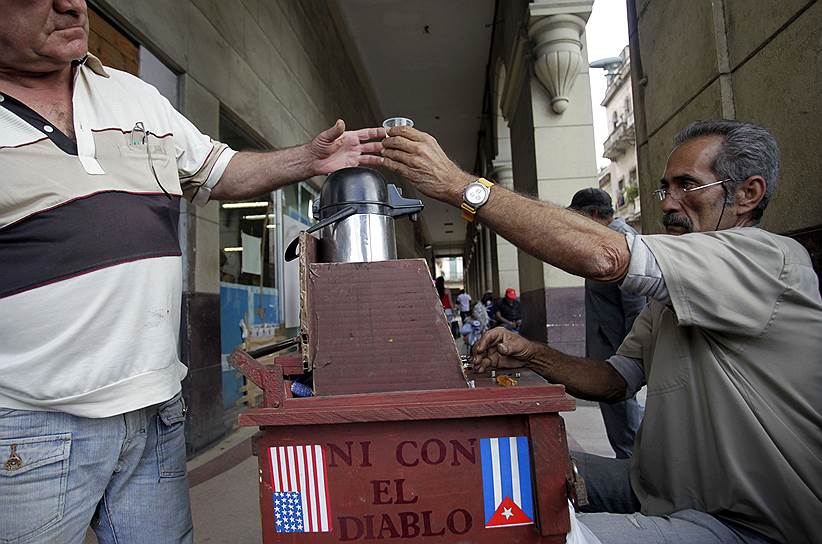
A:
x: 612, y: 513
x: 125, y: 476
x: 622, y: 421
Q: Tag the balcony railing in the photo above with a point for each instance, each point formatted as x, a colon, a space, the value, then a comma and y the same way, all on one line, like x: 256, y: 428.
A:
x: 621, y: 139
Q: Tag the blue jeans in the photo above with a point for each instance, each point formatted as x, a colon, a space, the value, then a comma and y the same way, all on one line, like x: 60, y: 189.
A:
x: 612, y: 513
x: 125, y: 476
x: 622, y: 421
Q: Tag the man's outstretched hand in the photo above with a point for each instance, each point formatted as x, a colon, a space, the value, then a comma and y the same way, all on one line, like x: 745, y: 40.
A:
x: 501, y: 348
x: 418, y: 157
x: 337, y: 148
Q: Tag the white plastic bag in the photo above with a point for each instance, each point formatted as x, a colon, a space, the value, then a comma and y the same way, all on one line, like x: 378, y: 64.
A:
x: 579, y: 533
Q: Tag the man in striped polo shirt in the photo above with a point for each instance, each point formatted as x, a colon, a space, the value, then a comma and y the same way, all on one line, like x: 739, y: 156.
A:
x: 94, y: 163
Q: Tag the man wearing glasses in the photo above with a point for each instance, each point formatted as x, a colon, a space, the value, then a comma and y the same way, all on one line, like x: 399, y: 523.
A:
x: 729, y: 345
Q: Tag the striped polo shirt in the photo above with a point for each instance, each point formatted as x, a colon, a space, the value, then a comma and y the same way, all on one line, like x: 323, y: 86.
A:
x: 90, y: 262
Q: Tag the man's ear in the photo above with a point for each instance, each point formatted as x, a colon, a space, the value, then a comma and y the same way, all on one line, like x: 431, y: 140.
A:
x: 749, y: 193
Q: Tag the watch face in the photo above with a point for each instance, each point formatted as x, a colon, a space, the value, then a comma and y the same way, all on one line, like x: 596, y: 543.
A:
x: 475, y: 193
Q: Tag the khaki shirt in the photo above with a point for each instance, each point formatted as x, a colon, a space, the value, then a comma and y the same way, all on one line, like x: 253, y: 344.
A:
x: 733, y: 422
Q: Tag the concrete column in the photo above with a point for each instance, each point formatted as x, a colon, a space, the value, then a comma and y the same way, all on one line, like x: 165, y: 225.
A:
x: 507, y: 262
x: 203, y: 386
x: 483, y: 272
x: 548, y: 109
x: 489, y: 270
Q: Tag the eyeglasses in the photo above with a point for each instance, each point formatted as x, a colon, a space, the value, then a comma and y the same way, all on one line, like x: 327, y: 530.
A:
x: 678, y: 193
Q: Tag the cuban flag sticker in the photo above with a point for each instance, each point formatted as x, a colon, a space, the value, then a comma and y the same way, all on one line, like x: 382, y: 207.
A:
x: 506, y: 482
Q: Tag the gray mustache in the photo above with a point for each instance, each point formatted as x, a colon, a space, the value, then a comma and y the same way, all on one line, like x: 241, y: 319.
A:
x: 672, y: 219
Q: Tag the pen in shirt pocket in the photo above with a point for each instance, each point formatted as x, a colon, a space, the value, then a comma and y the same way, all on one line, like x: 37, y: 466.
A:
x: 139, y: 136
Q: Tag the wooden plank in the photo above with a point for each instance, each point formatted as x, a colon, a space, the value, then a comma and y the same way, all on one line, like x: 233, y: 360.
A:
x: 405, y: 406
x: 269, y: 379
x: 292, y: 365
x: 251, y: 395
x: 550, y: 395
x: 308, y: 256
x: 111, y: 46
x: 552, y: 466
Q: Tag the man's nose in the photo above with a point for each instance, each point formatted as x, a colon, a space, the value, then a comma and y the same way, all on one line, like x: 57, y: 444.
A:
x: 72, y: 7
x: 669, y: 204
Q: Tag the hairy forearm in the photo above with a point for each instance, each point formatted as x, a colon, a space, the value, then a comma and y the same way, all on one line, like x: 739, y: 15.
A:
x: 554, y: 235
x: 587, y: 379
x: 249, y: 173
x: 557, y: 236
x: 560, y: 237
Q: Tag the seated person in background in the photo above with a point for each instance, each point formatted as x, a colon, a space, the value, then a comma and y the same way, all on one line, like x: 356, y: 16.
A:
x: 488, y: 300
x: 479, y: 313
x: 471, y: 330
x: 730, y: 449
x: 509, y: 314
x: 474, y: 325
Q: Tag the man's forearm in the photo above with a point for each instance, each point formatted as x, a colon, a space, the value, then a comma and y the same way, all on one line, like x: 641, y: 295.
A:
x: 249, y: 173
x: 560, y: 237
x: 554, y: 235
x: 587, y: 379
x: 557, y: 236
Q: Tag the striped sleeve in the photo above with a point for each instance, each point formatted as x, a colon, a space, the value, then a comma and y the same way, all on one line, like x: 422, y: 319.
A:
x: 201, y: 161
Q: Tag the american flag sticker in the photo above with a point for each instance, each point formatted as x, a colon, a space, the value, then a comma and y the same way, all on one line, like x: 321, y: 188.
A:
x: 300, y: 495
x: 506, y: 482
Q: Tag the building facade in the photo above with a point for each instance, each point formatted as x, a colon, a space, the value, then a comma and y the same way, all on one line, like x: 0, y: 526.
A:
x: 538, y: 140
x: 751, y: 60
x: 619, y: 178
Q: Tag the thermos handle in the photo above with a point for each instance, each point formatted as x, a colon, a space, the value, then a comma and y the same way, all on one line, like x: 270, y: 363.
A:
x: 402, y: 206
x: 291, y: 251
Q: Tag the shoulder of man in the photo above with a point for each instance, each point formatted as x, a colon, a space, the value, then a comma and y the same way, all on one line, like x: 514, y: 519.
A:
x: 792, y: 250
x: 119, y: 77
x: 738, y: 245
x: 619, y: 225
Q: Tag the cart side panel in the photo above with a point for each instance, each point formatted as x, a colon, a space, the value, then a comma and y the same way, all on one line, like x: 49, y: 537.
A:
x: 421, y: 480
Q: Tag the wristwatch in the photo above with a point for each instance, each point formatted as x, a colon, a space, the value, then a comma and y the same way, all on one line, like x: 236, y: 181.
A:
x: 474, y: 196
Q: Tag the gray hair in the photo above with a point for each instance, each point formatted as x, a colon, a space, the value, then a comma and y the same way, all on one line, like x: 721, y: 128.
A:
x: 748, y: 150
